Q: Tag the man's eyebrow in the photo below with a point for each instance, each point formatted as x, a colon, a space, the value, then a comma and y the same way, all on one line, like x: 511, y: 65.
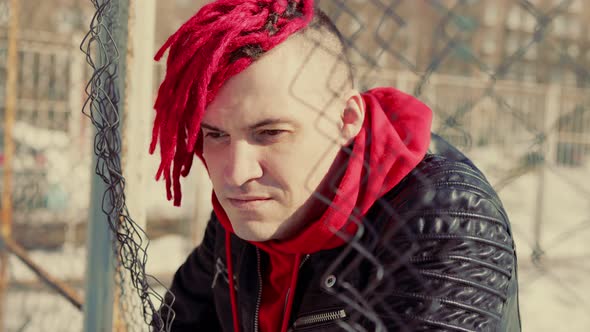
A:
x: 210, y: 127
x: 267, y: 122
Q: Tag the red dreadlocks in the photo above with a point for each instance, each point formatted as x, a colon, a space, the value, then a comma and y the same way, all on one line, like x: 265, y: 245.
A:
x: 218, y: 42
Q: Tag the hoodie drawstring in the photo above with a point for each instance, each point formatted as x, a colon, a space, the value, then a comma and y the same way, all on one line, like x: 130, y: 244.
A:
x: 291, y: 293
x: 232, y: 290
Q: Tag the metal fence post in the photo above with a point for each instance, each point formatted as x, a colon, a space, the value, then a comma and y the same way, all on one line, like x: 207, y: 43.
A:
x: 100, y: 273
x: 100, y: 267
x: 551, y: 139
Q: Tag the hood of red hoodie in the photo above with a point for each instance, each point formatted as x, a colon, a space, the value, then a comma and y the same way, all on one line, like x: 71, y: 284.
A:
x: 394, y: 138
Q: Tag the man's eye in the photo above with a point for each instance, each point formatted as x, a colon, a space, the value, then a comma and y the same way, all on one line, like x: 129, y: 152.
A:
x: 272, y: 132
x: 214, y: 135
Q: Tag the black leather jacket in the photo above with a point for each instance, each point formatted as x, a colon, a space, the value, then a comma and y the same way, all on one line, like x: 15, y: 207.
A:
x: 436, y: 254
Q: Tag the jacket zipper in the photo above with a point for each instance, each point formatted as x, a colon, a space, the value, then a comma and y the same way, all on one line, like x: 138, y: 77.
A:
x: 259, y: 297
x: 324, y: 317
x: 304, y: 260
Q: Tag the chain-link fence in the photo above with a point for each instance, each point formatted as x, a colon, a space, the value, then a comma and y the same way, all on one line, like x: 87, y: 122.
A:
x: 51, y: 171
x: 507, y: 81
x: 520, y: 115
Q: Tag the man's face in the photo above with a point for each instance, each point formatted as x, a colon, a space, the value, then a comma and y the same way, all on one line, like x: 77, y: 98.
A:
x: 270, y: 137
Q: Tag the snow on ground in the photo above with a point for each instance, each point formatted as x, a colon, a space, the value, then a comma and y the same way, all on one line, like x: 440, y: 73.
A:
x: 552, y: 293
x: 38, y: 311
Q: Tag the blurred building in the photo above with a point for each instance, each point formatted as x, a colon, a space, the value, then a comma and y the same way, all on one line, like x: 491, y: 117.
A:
x: 540, y: 41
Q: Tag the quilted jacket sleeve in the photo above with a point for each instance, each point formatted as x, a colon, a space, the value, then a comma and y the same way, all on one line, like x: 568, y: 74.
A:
x: 447, y: 253
x: 188, y: 305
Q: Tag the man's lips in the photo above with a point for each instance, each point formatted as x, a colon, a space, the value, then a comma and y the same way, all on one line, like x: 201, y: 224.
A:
x: 248, y: 198
x: 247, y: 202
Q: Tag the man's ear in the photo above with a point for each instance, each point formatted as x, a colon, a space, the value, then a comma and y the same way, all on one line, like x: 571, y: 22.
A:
x: 352, y: 116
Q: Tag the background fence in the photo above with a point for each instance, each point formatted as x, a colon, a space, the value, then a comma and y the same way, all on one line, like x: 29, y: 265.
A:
x: 507, y: 80
x: 50, y: 177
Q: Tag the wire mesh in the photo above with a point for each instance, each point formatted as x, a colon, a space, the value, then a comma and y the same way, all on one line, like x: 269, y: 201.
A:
x: 507, y: 81
x: 101, y: 48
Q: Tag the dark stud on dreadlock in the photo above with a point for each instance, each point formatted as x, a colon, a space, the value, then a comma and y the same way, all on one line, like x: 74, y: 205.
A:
x: 293, y: 10
x: 270, y: 25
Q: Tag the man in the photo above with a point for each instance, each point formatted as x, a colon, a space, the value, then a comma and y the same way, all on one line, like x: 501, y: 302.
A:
x: 329, y: 213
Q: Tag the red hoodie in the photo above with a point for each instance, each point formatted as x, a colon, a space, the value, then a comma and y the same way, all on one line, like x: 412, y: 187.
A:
x: 394, y: 138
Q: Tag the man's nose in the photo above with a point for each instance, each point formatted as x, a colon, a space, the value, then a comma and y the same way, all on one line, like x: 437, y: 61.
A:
x: 242, y: 165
